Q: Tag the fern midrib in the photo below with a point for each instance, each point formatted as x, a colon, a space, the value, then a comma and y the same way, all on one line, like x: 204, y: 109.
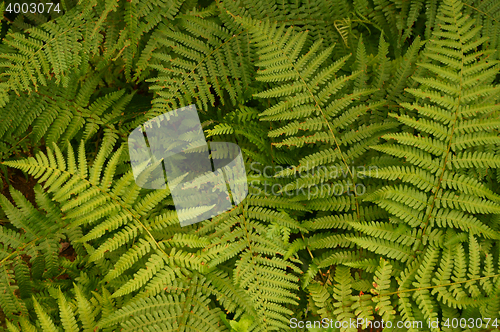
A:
x: 439, y: 180
x: 480, y: 11
x: 313, y: 96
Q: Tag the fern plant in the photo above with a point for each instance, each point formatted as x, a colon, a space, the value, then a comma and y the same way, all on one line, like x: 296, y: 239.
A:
x: 370, y: 136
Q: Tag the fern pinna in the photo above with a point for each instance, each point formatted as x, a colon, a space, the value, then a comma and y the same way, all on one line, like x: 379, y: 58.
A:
x: 370, y: 136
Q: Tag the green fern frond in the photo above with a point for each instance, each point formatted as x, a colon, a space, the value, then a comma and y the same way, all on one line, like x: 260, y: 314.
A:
x: 201, y: 57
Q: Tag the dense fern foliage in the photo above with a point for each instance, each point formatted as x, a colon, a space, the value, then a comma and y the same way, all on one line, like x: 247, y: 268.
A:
x: 370, y: 135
